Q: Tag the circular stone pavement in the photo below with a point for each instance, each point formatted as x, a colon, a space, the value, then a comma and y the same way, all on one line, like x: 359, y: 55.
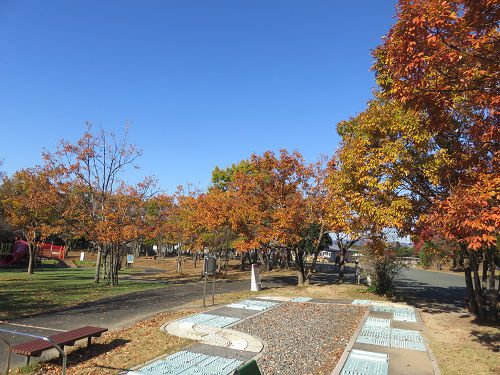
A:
x: 303, y: 338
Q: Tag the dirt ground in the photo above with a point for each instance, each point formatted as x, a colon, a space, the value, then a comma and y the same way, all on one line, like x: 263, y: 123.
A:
x: 460, y: 345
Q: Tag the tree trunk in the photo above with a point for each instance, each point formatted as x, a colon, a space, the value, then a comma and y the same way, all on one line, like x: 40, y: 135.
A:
x: 471, y: 299
x: 492, y: 295
x: 242, y: 265
x: 98, y: 267
x: 179, y: 260
x: 299, y: 261
x: 478, y: 294
x: 342, y: 253
x: 31, y: 259
x: 312, y: 267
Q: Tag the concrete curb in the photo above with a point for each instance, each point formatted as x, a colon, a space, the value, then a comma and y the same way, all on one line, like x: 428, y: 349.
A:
x: 434, y: 363
x: 348, y: 349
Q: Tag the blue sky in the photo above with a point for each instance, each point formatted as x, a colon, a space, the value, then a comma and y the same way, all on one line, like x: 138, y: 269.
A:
x: 203, y: 83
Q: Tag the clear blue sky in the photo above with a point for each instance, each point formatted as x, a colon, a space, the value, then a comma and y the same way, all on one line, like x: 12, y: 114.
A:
x: 203, y: 83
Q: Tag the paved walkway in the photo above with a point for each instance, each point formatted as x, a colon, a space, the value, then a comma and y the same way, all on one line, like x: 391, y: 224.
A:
x: 432, y: 291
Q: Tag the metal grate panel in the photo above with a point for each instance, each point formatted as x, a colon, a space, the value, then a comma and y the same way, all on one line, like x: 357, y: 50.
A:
x: 250, y: 304
x: 361, y: 362
x: 375, y: 336
x: 377, y: 322
x: 189, y: 363
x: 407, y: 339
x: 211, y: 320
x: 361, y: 302
x: 405, y: 314
x: 382, y: 308
x: 300, y: 299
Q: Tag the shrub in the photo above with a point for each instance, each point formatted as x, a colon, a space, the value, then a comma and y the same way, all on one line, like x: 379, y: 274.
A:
x: 384, y: 267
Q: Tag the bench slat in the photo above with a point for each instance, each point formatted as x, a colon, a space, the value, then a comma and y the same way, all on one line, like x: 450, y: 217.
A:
x: 36, y: 347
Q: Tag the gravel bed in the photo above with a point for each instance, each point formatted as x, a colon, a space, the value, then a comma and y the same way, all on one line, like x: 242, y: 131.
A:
x: 303, y: 338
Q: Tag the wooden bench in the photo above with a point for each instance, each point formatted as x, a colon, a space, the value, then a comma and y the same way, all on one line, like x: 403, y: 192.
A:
x: 37, y: 347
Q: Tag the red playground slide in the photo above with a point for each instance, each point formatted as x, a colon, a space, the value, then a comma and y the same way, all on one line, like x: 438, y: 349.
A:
x: 20, y: 250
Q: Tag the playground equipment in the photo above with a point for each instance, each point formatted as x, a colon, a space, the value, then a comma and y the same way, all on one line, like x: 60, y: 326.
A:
x: 21, y: 249
x: 47, y: 250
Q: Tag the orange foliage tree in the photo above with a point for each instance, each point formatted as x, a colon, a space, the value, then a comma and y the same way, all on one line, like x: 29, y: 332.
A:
x: 31, y: 204
x: 440, y: 60
x: 275, y: 203
x: 88, y: 173
x: 470, y: 216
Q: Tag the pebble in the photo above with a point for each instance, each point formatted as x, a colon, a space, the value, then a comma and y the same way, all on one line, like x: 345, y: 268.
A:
x: 303, y: 338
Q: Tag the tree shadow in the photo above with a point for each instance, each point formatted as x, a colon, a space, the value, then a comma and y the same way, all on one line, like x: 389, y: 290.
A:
x: 430, y: 298
x: 489, y: 340
x: 83, y: 354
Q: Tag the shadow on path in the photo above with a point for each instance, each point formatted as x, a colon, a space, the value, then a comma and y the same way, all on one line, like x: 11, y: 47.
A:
x: 431, y: 291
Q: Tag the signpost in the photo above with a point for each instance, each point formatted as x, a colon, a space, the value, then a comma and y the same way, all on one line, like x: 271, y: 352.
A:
x: 209, y: 269
x: 130, y: 260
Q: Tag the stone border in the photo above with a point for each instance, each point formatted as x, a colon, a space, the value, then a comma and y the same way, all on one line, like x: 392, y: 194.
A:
x: 348, y: 349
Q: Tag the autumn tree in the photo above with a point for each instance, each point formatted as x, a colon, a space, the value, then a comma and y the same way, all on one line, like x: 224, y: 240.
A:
x: 353, y: 211
x: 90, y: 172
x: 31, y: 204
x: 440, y: 60
x: 470, y: 217
x: 441, y: 57
x: 270, y: 205
x: 317, y: 234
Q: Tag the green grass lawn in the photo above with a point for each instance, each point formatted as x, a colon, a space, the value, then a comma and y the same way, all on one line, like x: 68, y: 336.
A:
x: 49, y: 288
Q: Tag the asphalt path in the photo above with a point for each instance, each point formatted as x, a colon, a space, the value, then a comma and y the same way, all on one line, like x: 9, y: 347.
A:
x: 431, y: 290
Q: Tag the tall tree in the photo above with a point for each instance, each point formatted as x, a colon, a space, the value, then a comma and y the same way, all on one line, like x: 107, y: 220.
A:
x: 93, y: 165
x: 440, y: 59
x: 31, y: 204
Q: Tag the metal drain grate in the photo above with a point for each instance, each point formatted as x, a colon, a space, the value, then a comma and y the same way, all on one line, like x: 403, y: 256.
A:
x: 361, y: 362
x: 188, y: 363
x: 407, y: 339
x: 211, y: 320
x: 374, y: 336
x: 250, y: 304
x: 394, y: 338
x: 361, y: 302
x: 300, y: 299
x: 405, y: 314
x: 377, y: 322
x: 382, y: 308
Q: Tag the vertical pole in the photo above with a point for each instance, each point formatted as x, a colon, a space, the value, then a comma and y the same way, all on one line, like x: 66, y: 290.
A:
x: 204, y: 290
x: 9, y: 355
x: 213, y: 291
